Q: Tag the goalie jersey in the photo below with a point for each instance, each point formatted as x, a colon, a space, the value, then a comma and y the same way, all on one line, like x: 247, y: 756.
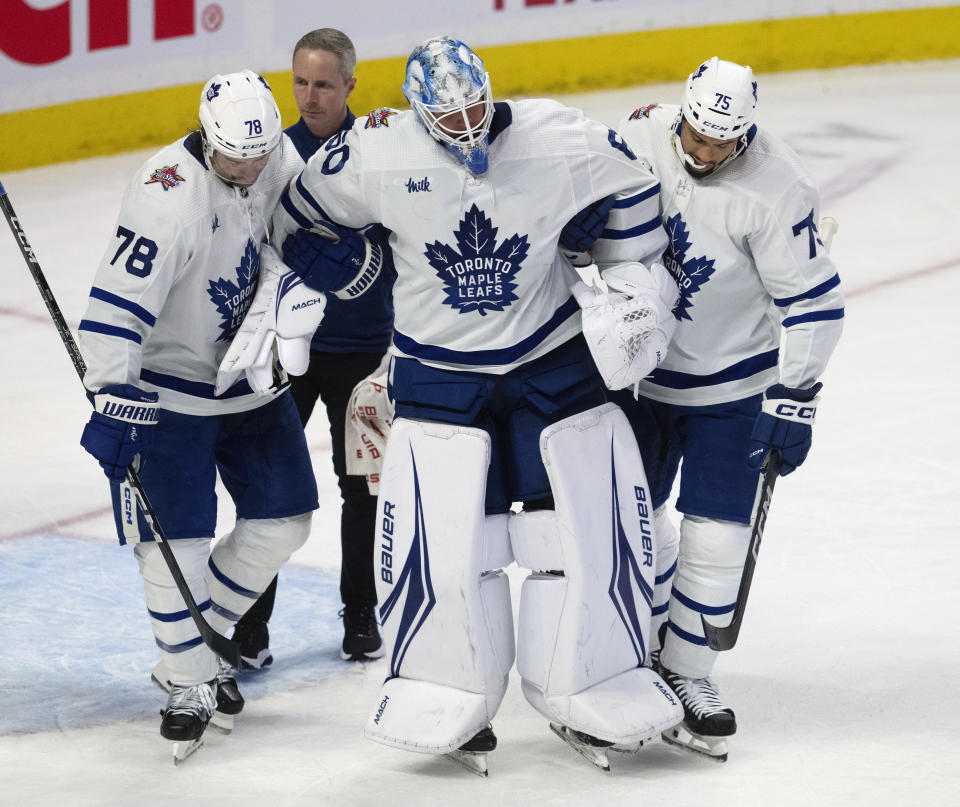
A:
x: 481, y: 284
x: 178, y: 277
x: 752, y: 270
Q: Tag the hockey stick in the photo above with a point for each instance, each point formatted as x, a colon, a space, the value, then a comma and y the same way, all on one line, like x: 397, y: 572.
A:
x: 219, y: 644
x: 726, y: 637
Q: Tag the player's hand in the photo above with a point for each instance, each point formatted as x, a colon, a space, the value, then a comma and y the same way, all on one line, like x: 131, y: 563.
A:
x: 120, y: 428
x: 340, y: 260
x: 785, y: 423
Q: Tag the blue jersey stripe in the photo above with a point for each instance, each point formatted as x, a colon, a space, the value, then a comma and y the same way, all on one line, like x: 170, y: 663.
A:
x: 230, y: 584
x: 640, y: 229
x: 630, y: 201
x: 178, y: 648
x: 505, y: 355
x: 742, y: 369
x: 176, y: 616
x: 813, y: 316
x: 109, y: 330
x: 816, y: 291
x: 308, y: 198
x: 138, y: 311
x: 196, y: 388
x: 293, y: 211
x: 699, y: 607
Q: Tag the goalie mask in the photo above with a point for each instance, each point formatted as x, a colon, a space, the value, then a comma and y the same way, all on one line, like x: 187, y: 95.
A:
x: 448, y: 88
x: 240, y: 126
x: 719, y: 104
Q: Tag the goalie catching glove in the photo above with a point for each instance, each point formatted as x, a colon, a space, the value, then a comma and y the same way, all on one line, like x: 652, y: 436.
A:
x: 629, y: 327
x: 284, y: 310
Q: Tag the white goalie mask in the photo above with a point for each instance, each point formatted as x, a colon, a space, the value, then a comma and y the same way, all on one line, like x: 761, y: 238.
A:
x: 240, y: 125
x: 448, y: 88
x: 719, y: 102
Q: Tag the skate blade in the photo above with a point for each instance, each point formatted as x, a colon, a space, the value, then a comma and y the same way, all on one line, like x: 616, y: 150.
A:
x: 471, y: 760
x: 712, y: 748
x: 222, y: 723
x: 185, y: 749
x: 593, y: 754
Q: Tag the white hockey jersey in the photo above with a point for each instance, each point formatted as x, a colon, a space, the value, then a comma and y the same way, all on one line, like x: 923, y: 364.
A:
x: 481, y: 284
x: 746, y: 253
x: 177, y: 279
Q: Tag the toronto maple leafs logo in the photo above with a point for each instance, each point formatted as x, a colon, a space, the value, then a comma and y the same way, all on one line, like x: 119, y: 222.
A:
x: 689, y: 272
x: 480, y: 276
x: 233, y: 299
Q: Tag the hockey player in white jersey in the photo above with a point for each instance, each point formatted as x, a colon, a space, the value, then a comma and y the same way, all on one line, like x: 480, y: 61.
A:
x: 497, y: 401
x: 173, y: 287
x: 760, y: 313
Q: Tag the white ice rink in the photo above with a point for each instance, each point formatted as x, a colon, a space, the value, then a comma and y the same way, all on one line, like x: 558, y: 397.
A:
x: 846, y: 675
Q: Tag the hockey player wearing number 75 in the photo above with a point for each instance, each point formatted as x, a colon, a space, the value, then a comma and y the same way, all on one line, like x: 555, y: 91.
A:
x: 498, y: 401
x: 170, y: 292
x: 760, y: 312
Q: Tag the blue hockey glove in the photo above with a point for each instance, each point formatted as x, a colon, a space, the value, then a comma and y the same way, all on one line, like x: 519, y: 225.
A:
x: 342, y: 261
x: 120, y: 427
x: 581, y: 232
x: 785, y: 422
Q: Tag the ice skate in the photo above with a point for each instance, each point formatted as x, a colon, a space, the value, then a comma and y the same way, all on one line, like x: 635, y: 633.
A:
x: 253, y: 636
x: 591, y: 748
x: 229, y: 701
x: 361, y: 636
x: 472, y: 755
x: 185, y: 718
x: 707, y: 721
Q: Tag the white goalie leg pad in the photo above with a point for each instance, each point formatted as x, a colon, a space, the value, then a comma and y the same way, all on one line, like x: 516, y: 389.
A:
x: 584, y: 631
x: 712, y: 554
x: 668, y: 547
x: 188, y: 660
x: 444, y: 601
x: 246, y: 559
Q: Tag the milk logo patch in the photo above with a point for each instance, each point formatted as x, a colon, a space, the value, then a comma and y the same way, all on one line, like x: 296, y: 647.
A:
x: 479, y: 275
x: 689, y: 272
x: 166, y: 176
x: 233, y: 299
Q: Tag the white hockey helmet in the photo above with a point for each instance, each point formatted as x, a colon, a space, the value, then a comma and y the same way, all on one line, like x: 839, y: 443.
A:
x: 238, y: 117
x: 445, y: 84
x: 720, y: 99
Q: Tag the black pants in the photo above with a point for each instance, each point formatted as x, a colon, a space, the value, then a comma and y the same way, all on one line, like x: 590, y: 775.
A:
x: 331, y: 377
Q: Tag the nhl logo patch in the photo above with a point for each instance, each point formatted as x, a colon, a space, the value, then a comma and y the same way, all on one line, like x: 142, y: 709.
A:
x: 378, y: 118
x: 643, y: 112
x: 166, y: 176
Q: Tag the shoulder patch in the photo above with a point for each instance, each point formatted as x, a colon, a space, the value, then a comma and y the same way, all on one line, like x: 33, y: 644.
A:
x: 166, y: 176
x: 643, y: 112
x: 379, y: 117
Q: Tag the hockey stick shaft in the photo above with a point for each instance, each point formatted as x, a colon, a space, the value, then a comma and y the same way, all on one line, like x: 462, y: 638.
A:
x: 726, y: 637
x: 219, y: 644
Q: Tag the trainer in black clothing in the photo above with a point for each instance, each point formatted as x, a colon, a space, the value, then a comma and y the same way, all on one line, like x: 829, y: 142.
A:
x: 346, y: 348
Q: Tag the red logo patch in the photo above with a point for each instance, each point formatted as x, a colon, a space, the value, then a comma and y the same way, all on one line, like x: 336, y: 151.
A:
x: 643, y: 112
x: 166, y: 176
x: 378, y: 117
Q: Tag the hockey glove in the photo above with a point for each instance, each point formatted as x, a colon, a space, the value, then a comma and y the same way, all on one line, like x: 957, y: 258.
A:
x: 337, y: 259
x: 582, y: 231
x: 785, y: 423
x: 120, y: 428
x: 284, y: 310
x: 628, y: 328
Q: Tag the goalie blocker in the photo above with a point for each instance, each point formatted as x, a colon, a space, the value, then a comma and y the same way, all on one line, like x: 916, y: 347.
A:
x: 584, y: 634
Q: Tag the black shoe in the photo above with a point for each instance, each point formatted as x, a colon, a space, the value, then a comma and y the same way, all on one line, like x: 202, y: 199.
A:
x: 703, y: 711
x: 254, y: 640
x: 361, y: 637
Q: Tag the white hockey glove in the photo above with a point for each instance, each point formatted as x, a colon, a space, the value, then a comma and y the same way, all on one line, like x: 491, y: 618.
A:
x: 284, y: 310
x: 629, y: 327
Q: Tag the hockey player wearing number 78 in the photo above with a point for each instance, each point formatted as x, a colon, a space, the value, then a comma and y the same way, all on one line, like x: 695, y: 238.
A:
x: 760, y: 312
x: 170, y: 292
x: 498, y: 401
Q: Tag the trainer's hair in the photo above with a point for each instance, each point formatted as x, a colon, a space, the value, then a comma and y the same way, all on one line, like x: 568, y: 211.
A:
x: 332, y: 41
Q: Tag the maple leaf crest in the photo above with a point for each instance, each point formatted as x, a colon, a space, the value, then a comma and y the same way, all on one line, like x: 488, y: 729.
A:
x: 478, y: 275
x: 690, y: 273
x: 233, y: 299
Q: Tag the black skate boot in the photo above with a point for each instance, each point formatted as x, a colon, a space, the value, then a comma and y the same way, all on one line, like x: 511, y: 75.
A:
x: 229, y: 701
x: 707, y: 720
x: 473, y: 753
x: 185, y: 717
x: 254, y: 639
x: 361, y: 637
